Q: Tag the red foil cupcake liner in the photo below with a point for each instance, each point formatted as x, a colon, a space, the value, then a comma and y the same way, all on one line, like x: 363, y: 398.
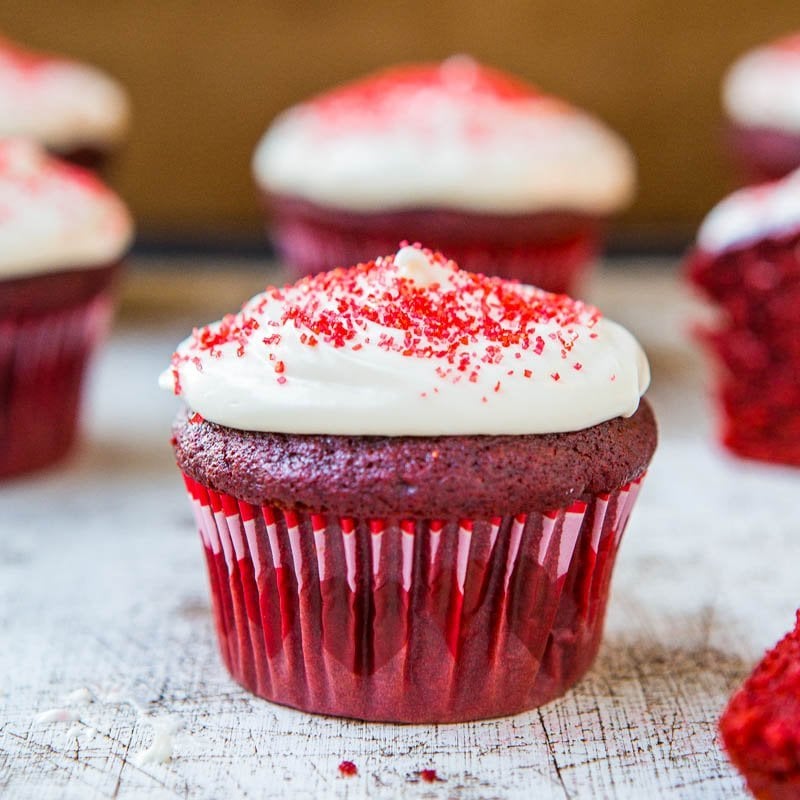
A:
x: 42, y: 361
x: 559, y: 266
x: 409, y: 620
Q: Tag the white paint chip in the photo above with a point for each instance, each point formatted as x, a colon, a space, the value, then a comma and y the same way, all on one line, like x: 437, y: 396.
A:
x: 80, y: 697
x: 57, y: 715
x: 160, y: 750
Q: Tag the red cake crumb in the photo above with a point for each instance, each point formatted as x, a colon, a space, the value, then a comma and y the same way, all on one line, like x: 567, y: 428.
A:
x: 348, y: 769
x: 761, y: 725
x: 429, y: 776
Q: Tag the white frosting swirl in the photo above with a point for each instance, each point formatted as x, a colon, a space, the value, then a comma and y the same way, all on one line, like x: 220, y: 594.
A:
x: 54, y: 216
x: 410, y: 346
x: 453, y: 136
x: 62, y: 104
x: 762, y: 88
x: 752, y: 213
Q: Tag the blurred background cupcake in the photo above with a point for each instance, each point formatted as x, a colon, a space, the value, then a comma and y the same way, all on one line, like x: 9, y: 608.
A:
x: 74, y: 110
x: 62, y: 235
x: 747, y: 261
x: 465, y: 158
x: 761, y: 95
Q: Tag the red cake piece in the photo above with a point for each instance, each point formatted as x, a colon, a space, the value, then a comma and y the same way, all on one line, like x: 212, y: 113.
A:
x: 761, y: 725
x: 747, y: 263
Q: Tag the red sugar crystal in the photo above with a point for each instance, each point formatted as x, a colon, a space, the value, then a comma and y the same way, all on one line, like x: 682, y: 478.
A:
x: 348, y: 769
x: 463, y: 321
x: 761, y: 725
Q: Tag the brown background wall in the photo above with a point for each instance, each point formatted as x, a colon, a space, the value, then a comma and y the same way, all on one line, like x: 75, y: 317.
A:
x: 206, y: 77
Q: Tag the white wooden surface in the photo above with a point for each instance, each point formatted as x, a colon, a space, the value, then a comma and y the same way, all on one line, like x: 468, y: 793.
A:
x: 102, y: 586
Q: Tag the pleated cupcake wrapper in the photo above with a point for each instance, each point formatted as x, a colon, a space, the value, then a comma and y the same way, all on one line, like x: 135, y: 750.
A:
x: 556, y: 266
x: 409, y: 620
x: 42, y: 361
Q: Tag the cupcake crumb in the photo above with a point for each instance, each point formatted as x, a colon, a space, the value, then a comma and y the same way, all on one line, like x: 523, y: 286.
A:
x: 348, y: 769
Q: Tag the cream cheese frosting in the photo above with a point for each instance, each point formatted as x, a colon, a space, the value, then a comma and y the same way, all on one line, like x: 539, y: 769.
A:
x: 454, y: 135
x: 762, y: 88
x: 62, y: 104
x: 54, y: 216
x: 410, y: 345
x: 752, y: 213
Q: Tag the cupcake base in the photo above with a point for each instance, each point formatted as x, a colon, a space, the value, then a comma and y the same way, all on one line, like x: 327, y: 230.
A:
x: 49, y: 326
x: 550, y: 250
x: 409, y: 620
x: 757, y: 345
x: 763, y: 154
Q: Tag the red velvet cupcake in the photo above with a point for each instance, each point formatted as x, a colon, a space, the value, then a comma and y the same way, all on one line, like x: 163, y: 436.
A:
x: 747, y: 261
x: 74, y: 110
x: 761, y: 725
x: 761, y: 95
x: 464, y: 158
x: 411, y: 482
x: 62, y: 234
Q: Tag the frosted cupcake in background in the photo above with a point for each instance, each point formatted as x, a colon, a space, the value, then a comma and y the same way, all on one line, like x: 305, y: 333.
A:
x: 411, y: 482
x: 747, y: 262
x: 465, y: 158
x: 761, y: 96
x: 62, y: 235
x: 74, y: 110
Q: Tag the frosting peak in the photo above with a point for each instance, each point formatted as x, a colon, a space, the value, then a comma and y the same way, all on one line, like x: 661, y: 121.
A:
x: 54, y: 216
x: 60, y: 103
x: 450, y: 135
x: 410, y: 345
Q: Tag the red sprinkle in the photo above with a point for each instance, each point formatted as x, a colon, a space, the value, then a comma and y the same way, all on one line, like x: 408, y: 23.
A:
x: 460, y: 322
x: 348, y: 769
x: 195, y: 418
x: 429, y: 776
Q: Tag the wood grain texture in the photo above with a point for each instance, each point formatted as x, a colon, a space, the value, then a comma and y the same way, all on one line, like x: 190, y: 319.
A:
x: 102, y: 586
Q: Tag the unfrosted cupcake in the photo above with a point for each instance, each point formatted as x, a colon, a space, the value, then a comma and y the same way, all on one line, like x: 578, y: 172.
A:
x: 747, y: 261
x: 62, y: 234
x: 761, y: 95
x: 73, y: 109
x: 411, y: 482
x: 467, y: 159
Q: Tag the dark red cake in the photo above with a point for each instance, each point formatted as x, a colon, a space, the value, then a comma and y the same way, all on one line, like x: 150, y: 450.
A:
x: 408, y: 577
x: 62, y: 236
x: 751, y: 272
x: 761, y: 725
x: 471, y: 161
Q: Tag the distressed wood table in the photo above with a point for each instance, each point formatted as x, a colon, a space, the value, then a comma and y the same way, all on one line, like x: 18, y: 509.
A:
x: 108, y: 660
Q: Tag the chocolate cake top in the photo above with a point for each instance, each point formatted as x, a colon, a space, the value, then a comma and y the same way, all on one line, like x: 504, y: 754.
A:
x: 409, y: 345
x: 475, y: 477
